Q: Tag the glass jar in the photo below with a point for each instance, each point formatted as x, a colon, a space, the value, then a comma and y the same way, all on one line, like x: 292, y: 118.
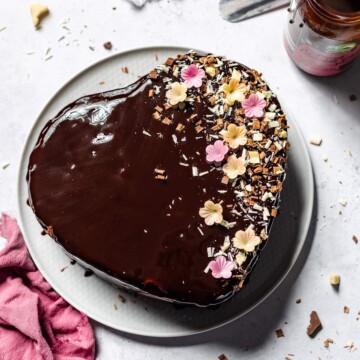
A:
x: 323, y: 36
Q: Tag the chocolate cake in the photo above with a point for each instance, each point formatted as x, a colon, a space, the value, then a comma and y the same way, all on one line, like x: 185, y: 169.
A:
x: 170, y: 185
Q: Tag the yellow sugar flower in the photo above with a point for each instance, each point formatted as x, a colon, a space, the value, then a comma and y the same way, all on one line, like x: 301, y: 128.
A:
x: 177, y: 93
x: 234, y: 91
x: 246, y: 240
x: 235, y: 135
x: 212, y: 213
x: 234, y: 167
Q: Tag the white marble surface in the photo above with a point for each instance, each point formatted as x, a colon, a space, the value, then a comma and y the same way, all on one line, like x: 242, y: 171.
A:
x: 321, y: 107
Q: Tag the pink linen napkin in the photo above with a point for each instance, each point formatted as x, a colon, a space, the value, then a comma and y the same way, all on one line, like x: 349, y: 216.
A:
x: 35, y: 322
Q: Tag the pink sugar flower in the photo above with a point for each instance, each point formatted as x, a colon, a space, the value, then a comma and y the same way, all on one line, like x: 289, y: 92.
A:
x: 216, y: 152
x: 253, y: 106
x: 192, y: 76
x: 221, y: 268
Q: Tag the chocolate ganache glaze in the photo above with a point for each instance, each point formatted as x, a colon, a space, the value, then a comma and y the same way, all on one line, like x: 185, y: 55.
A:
x: 169, y: 185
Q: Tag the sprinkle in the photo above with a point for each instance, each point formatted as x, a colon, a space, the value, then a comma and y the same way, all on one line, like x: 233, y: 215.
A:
x: 203, y: 173
x: 174, y: 137
x: 185, y: 157
x: 4, y: 165
x: 195, y: 171
x: 146, y: 133
x: 315, y: 140
x: 183, y: 164
x: 200, y: 231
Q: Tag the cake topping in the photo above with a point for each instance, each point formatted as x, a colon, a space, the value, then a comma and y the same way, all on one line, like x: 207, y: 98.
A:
x: 253, y: 106
x: 212, y: 213
x: 192, y: 76
x: 221, y: 268
x: 216, y: 153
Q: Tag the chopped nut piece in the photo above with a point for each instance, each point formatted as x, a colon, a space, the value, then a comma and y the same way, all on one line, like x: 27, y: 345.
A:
x: 125, y: 70
x: 156, y: 115
x: 180, y: 127
x: 279, y: 333
x: 222, y: 357
x: 352, y: 97
x: 158, y: 108
x: 210, y: 71
x: 256, y: 125
x: 315, y: 140
x: 315, y: 324
x: 274, y: 212
x: 355, y: 239
x: 153, y: 74
x: 160, y: 177
x: 108, y: 46
x: 38, y: 12
x: 334, y: 279
x: 346, y: 310
x: 169, y: 61
x: 151, y: 92
x: 166, y: 121
x: 160, y: 171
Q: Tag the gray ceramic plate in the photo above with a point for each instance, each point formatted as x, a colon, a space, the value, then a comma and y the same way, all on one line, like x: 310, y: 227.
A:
x: 144, y: 316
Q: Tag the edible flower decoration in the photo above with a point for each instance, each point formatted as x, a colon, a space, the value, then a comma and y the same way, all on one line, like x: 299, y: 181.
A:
x: 192, y: 76
x: 212, y: 213
x: 253, y: 106
x: 216, y: 152
x: 177, y: 93
x: 234, y: 167
x: 234, y: 91
x: 246, y: 240
x: 235, y: 135
x: 221, y: 268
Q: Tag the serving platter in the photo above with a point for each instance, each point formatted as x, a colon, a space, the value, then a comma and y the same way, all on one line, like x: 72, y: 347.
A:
x: 145, y: 316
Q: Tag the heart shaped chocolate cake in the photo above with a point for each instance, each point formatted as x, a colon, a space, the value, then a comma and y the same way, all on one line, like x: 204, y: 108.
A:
x: 169, y: 186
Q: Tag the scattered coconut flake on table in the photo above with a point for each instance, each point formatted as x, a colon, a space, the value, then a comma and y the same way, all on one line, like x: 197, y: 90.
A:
x: 315, y: 140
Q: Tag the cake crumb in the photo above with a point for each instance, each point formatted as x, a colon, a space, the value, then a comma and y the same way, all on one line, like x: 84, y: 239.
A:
x: 222, y: 357
x: 279, y: 333
x: 350, y: 346
x: 298, y: 301
x: 108, y: 45
x: 125, y: 70
x: 352, y: 97
x: 38, y: 12
x: 346, y: 310
x: 343, y: 202
x: 355, y: 239
x: 115, y: 307
x: 327, y: 342
x: 64, y: 268
x: 334, y: 279
x: 315, y: 324
x: 121, y: 298
x: 315, y: 140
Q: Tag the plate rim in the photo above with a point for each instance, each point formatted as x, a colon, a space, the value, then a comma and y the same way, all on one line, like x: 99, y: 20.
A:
x: 93, y: 315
